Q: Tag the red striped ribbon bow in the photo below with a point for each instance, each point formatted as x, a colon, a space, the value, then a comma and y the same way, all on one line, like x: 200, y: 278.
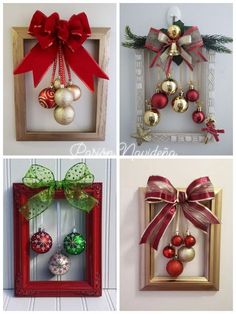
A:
x: 159, y: 189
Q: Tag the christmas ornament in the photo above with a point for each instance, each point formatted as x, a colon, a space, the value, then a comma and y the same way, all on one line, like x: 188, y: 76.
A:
x: 198, y: 115
x: 189, y: 241
x: 186, y: 254
x: 75, y: 90
x: 74, y: 243
x: 169, y: 251
x: 174, y: 31
x: 176, y: 240
x: 59, y: 264
x: 57, y: 83
x: 64, y: 115
x: 192, y: 94
x: 211, y: 130
x: 169, y: 86
x: 159, y: 100
x: 179, y: 103
x: 41, y: 242
x: 73, y: 185
x: 151, y: 117
x: 46, y: 98
x: 142, y: 135
x: 174, y: 267
x: 63, y: 97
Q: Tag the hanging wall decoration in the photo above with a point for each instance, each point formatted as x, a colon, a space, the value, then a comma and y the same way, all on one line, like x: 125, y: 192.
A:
x: 175, y: 72
x: 62, y: 251
x: 60, y: 44
x: 180, y: 227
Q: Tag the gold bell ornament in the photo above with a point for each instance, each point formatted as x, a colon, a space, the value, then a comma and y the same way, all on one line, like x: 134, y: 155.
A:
x: 169, y: 86
x: 173, y: 50
x: 179, y: 103
x: 151, y: 116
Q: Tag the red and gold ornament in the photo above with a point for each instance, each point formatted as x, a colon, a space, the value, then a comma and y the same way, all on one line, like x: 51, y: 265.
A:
x: 41, y: 242
x: 46, y: 98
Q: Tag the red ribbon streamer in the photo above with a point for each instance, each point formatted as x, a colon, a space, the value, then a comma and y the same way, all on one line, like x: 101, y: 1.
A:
x: 159, y: 189
x: 210, y: 128
x: 50, y: 32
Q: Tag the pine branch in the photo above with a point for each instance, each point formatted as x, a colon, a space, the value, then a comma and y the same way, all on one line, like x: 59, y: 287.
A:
x: 132, y: 40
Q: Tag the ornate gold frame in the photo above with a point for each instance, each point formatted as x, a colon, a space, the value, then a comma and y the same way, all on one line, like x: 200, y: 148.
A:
x: 150, y: 282
x: 19, y: 35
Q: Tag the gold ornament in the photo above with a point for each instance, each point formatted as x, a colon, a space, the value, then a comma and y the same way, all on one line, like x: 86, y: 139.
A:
x: 169, y: 86
x: 179, y: 103
x: 174, y: 31
x: 57, y: 83
x: 63, y: 97
x: 64, y: 115
x: 151, y: 117
x: 186, y: 254
x: 173, y: 50
x: 75, y: 90
x: 142, y: 135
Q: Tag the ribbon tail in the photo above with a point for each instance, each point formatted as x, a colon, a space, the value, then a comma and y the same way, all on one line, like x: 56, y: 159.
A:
x: 84, y: 66
x: 80, y: 200
x: 38, y: 61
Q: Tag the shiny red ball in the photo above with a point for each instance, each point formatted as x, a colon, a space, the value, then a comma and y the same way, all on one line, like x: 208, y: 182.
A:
x: 169, y: 251
x: 189, y: 241
x: 192, y: 95
x: 41, y: 242
x: 176, y: 240
x: 174, y: 268
x: 46, y: 98
x: 159, y: 101
x: 198, y: 116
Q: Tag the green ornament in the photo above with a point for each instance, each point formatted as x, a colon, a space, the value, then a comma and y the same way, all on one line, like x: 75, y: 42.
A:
x: 74, y: 243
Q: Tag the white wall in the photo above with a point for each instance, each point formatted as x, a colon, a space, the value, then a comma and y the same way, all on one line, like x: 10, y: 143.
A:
x: 134, y: 174
x: 99, y: 15
x: 211, y: 19
x: 104, y: 171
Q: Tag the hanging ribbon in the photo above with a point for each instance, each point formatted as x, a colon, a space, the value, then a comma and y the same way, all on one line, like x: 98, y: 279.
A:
x: 50, y: 33
x: 159, y: 189
x: 189, y: 47
x: 76, y: 179
x: 211, y: 129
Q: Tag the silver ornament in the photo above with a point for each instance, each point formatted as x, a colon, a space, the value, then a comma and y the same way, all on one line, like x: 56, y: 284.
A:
x: 63, y: 97
x: 59, y: 264
x: 75, y: 90
x: 64, y: 115
x: 186, y: 254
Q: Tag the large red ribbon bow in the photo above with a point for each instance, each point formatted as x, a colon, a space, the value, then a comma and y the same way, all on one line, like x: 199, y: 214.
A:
x: 159, y: 189
x: 189, y: 47
x: 50, y: 33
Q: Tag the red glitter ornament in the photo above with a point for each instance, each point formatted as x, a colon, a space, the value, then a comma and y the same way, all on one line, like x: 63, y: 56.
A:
x: 41, y: 242
x: 169, y: 251
x: 159, y: 100
x: 198, y: 116
x: 192, y: 94
x: 46, y: 98
x: 176, y: 240
x: 174, y: 268
x: 189, y: 241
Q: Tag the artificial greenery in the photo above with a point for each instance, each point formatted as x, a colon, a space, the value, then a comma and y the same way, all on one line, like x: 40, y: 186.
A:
x: 211, y: 42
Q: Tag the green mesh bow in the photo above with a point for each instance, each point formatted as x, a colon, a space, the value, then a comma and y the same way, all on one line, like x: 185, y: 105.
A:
x: 76, y: 179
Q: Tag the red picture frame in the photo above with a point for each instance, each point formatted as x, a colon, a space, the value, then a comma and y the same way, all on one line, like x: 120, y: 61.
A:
x: 24, y: 287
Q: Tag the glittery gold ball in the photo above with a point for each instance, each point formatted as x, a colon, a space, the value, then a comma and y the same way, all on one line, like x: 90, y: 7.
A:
x: 75, y: 90
x: 186, y: 254
x: 151, y: 117
x: 174, y: 31
x: 169, y: 86
x: 63, y: 97
x: 64, y: 115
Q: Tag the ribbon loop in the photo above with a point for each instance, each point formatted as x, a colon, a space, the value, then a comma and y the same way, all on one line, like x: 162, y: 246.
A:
x: 76, y: 179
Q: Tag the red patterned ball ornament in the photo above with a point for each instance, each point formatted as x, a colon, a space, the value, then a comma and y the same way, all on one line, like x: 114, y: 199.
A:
x: 192, y: 94
x: 41, y: 242
x: 189, y: 241
x: 174, y: 268
x: 46, y: 98
x: 169, y: 251
x: 176, y: 240
x: 198, y: 116
x: 159, y: 100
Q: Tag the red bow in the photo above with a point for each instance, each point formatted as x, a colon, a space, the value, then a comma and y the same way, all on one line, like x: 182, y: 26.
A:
x: 210, y: 128
x: 159, y: 189
x: 50, y: 32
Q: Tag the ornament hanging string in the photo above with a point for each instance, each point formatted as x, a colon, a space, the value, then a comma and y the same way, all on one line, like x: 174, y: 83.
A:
x: 159, y: 189
x: 51, y: 33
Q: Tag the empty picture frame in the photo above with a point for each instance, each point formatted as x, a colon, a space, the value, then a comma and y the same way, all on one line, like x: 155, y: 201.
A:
x: 96, y: 132
x: 207, y: 275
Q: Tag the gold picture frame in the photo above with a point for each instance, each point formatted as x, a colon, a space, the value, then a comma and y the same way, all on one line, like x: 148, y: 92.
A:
x: 19, y: 36
x: 210, y: 281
